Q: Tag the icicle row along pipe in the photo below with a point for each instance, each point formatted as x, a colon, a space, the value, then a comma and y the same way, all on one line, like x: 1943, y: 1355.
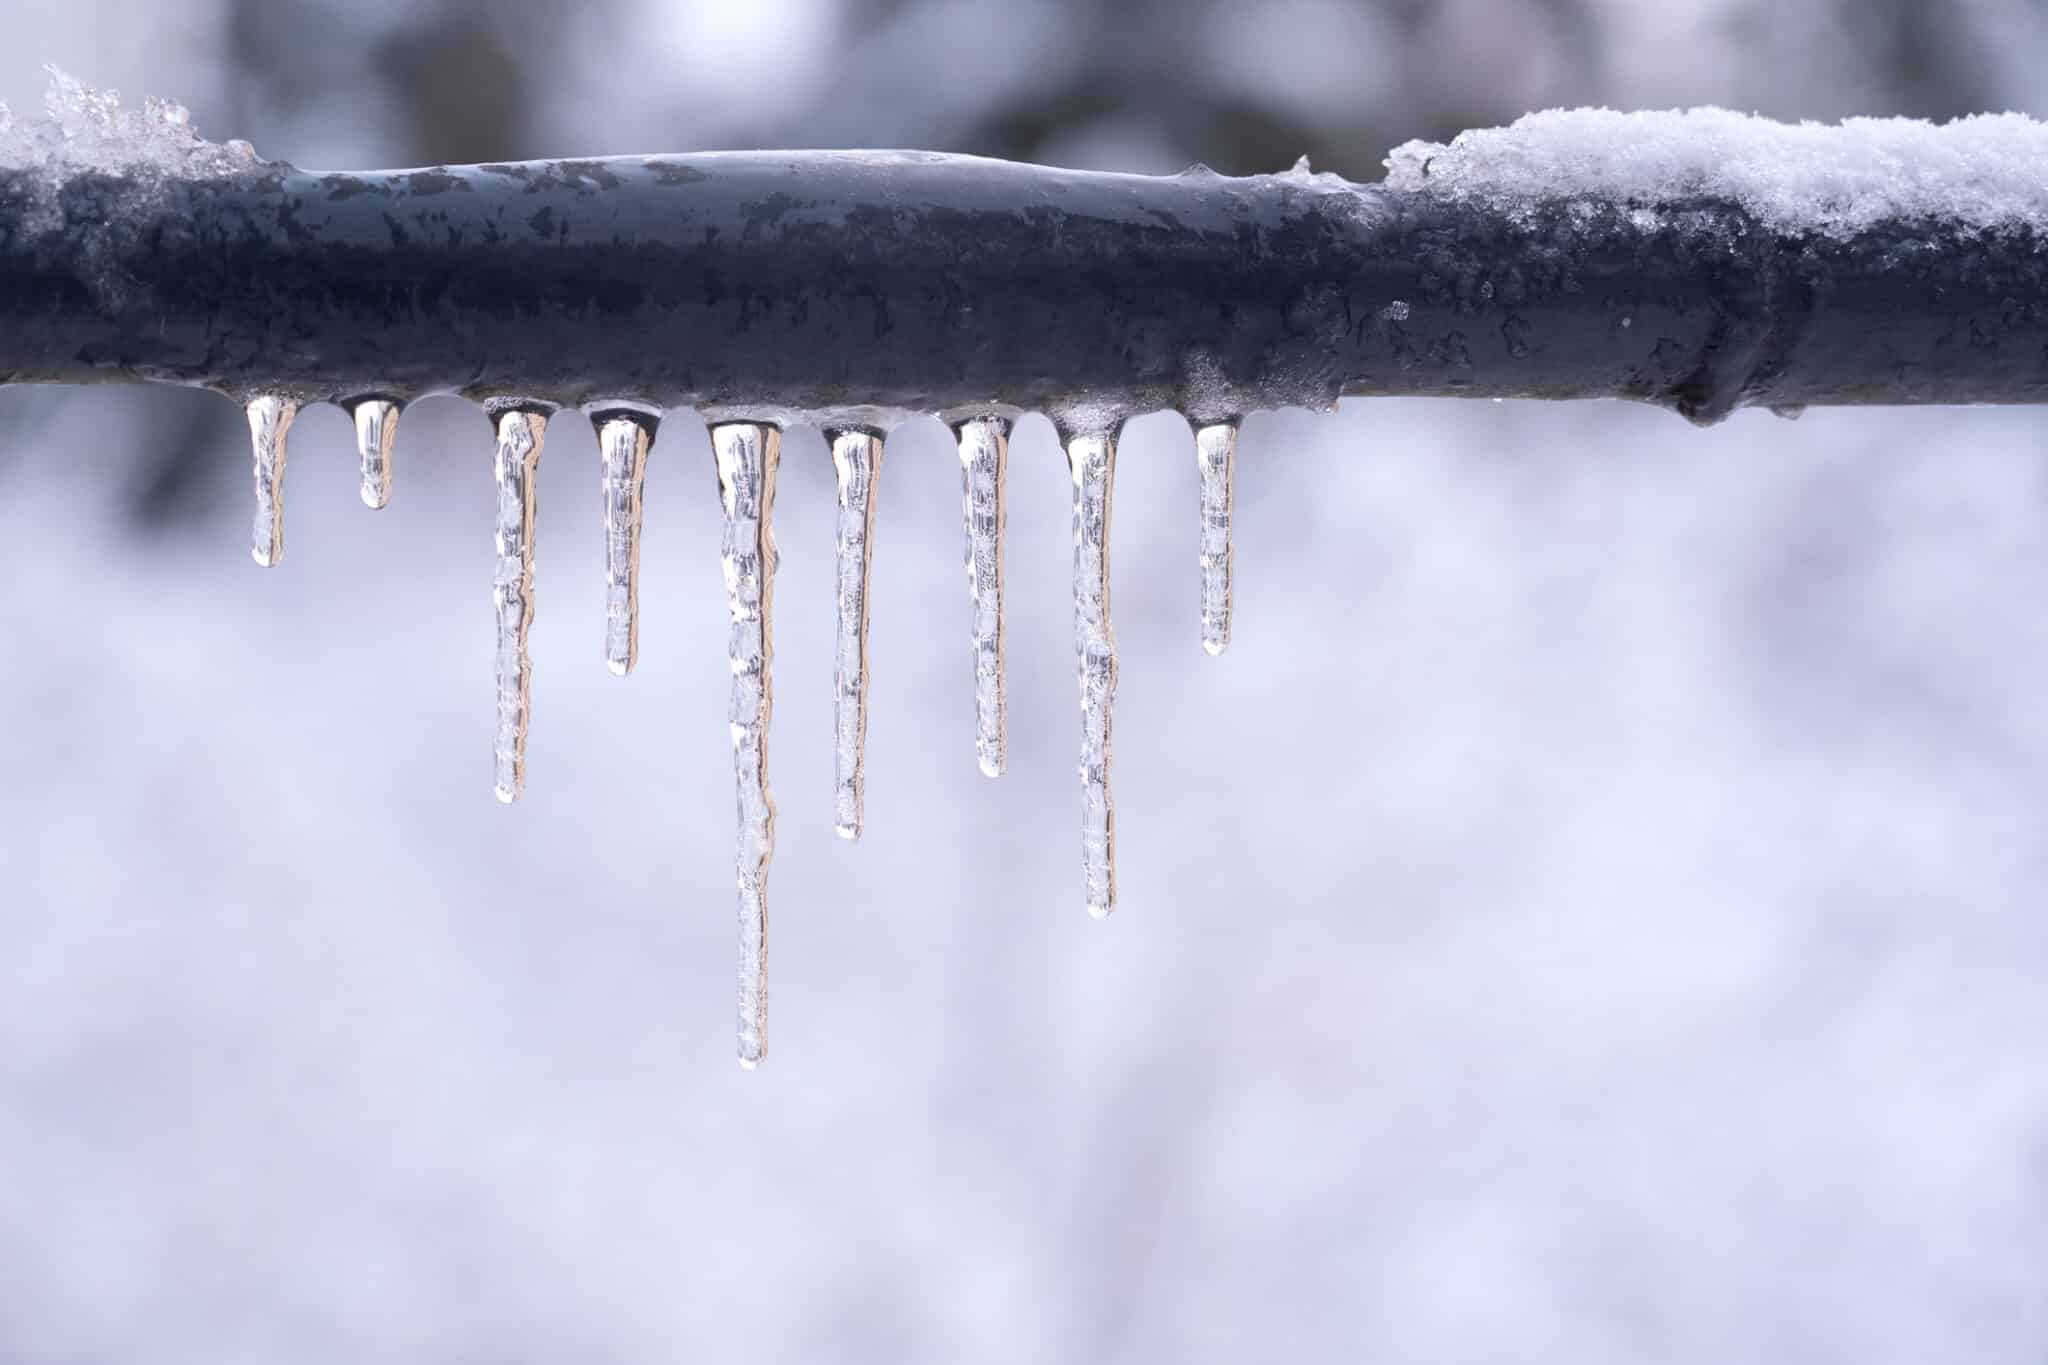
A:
x: 856, y: 290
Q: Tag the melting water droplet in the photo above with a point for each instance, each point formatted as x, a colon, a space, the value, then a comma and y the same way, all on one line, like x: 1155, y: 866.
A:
x: 376, y: 422
x: 270, y: 421
x: 623, y: 441
x: 1092, y: 462
x: 1791, y: 412
x: 984, y: 452
x: 520, y: 433
x: 857, y: 456
x: 1215, y: 462
x: 747, y: 454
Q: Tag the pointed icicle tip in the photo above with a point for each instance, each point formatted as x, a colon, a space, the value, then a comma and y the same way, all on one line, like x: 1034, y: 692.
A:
x: 376, y: 422
x: 623, y: 443
x: 270, y: 421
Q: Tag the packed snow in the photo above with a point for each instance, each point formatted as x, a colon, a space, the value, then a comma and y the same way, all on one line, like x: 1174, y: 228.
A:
x: 1987, y: 171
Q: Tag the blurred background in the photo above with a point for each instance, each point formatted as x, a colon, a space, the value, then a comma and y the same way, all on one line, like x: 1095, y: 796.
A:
x: 1593, y: 913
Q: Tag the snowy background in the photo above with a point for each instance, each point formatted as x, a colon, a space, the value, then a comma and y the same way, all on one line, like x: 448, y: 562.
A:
x: 1593, y: 913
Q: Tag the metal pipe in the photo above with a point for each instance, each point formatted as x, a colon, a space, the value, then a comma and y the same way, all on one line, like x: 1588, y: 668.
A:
x: 852, y: 289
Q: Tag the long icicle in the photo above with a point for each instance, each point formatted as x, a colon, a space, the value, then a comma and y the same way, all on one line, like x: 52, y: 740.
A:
x: 747, y: 454
x: 1092, y: 462
x: 520, y: 433
x: 623, y: 441
x: 857, y: 458
x: 376, y: 422
x: 1215, y: 463
x: 270, y: 421
x: 984, y: 451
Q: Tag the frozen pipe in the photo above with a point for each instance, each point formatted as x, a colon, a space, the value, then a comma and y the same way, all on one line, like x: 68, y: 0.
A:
x: 852, y: 289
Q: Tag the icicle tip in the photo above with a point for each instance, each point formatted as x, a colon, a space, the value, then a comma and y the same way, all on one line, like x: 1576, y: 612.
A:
x: 376, y: 422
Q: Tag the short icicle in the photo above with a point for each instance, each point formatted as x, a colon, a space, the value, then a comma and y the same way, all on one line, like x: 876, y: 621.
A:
x: 984, y: 451
x: 520, y: 433
x: 1215, y: 462
x: 376, y: 422
x: 747, y: 454
x: 1091, y: 460
x: 270, y: 421
x: 623, y: 441
x: 857, y: 458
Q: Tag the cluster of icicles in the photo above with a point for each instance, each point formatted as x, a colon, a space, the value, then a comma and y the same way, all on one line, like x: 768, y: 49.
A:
x: 747, y: 453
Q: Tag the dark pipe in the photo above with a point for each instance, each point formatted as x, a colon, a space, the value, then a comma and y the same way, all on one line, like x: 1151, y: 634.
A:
x: 860, y: 287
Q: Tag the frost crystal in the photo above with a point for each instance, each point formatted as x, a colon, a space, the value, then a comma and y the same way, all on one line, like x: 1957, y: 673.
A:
x: 1984, y: 172
x: 84, y: 129
x: 1306, y: 174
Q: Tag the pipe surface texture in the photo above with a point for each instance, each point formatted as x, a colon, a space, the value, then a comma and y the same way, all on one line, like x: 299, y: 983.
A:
x: 855, y: 289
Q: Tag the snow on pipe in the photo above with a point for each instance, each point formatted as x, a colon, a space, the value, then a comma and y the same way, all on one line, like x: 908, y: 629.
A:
x: 1700, y: 261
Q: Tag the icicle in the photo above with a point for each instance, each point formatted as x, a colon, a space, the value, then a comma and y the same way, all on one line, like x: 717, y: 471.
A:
x: 747, y: 454
x: 623, y: 441
x: 1092, y: 462
x: 376, y: 428
x: 520, y: 433
x: 857, y: 456
x: 984, y: 450
x: 1215, y: 461
x: 270, y: 421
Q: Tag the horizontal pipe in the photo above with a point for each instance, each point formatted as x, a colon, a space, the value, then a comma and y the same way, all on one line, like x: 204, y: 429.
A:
x: 855, y: 289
